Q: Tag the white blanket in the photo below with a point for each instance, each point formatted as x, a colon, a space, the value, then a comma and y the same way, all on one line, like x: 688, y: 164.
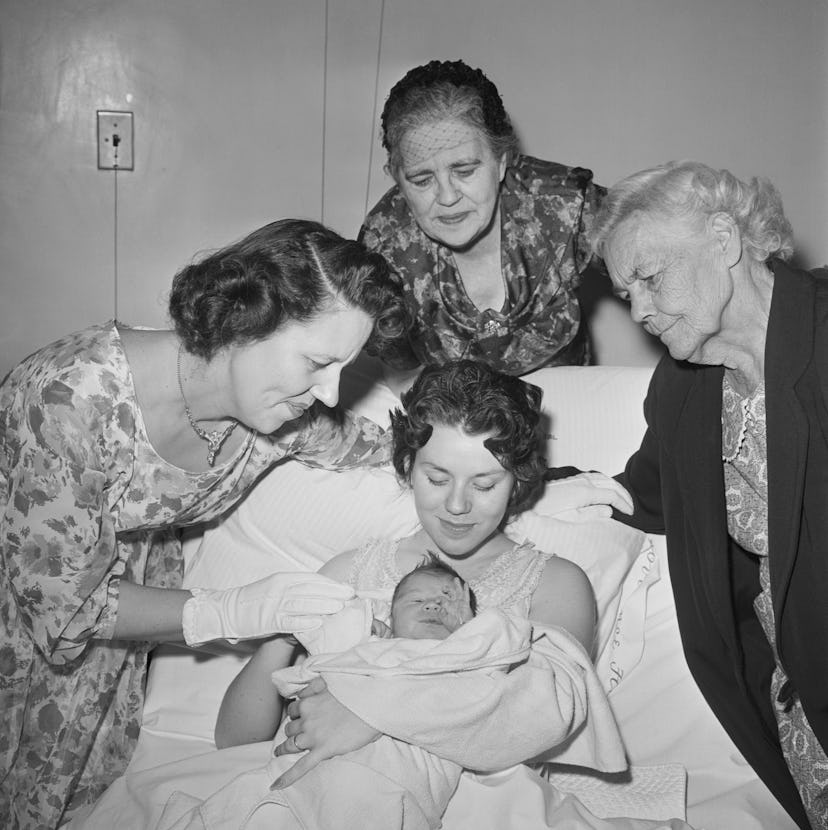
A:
x: 394, y: 783
x: 385, y: 784
x: 552, y: 700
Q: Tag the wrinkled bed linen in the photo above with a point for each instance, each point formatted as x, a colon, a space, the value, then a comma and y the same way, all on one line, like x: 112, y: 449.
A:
x: 517, y: 797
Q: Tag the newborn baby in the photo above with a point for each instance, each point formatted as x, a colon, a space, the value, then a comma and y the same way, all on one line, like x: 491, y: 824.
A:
x: 433, y: 632
x: 430, y: 602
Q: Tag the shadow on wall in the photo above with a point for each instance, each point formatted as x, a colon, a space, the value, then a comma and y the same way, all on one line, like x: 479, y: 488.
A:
x: 801, y: 260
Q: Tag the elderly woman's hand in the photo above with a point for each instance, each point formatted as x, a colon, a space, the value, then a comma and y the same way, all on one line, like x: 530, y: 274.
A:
x: 583, y: 496
x: 322, y: 726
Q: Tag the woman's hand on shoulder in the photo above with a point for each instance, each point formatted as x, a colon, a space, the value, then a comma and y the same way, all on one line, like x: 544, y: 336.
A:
x: 565, y: 598
x: 583, y: 496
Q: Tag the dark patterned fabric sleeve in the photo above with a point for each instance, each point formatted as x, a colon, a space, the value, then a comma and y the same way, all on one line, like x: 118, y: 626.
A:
x: 397, y: 352
x: 593, y: 197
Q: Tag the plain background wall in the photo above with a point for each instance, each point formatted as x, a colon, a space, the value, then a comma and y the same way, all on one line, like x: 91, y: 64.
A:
x: 251, y: 110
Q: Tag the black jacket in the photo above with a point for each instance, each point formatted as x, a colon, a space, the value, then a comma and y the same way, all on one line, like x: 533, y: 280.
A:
x: 677, y: 482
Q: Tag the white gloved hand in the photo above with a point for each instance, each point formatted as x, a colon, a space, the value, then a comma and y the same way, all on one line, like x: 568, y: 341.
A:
x: 585, y: 496
x: 340, y: 631
x: 282, y: 603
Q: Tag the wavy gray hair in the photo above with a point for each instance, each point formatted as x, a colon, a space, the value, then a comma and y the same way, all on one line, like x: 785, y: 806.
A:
x: 692, y: 191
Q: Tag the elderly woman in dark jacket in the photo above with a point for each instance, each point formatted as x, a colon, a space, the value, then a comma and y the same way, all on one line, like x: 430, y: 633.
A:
x: 734, y: 464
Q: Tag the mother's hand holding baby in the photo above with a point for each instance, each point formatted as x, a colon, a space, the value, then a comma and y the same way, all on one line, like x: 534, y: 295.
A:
x: 328, y: 729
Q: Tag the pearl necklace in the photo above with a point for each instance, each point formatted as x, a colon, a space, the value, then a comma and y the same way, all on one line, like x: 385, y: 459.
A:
x: 214, y: 438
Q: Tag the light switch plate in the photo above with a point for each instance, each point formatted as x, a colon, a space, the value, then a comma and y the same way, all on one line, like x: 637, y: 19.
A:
x: 115, y: 138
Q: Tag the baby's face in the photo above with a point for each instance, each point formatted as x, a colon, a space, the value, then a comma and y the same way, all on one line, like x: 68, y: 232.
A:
x: 430, y: 606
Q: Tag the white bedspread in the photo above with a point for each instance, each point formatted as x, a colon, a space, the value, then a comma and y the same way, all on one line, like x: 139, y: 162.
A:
x: 394, y: 783
x: 517, y: 797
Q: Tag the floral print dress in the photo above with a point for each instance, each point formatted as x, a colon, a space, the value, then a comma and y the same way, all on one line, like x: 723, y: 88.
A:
x: 744, y: 445
x: 546, y: 210
x: 85, y: 501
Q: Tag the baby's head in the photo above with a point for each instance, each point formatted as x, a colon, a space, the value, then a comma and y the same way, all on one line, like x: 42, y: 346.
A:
x: 431, y: 602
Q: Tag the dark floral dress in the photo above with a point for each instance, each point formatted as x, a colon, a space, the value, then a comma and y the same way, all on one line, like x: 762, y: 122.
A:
x: 546, y: 210
x: 744, y: 441
x: 84, y: 501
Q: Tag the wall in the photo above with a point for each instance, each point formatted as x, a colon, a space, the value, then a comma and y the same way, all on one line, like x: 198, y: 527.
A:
x: 249, y: 110
x: 227, y: 98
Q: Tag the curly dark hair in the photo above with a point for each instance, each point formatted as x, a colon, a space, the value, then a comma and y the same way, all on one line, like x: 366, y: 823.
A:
x: 292, y: 269
x: 480, y: 400
x: 442, y: 90
x: 432, y: 564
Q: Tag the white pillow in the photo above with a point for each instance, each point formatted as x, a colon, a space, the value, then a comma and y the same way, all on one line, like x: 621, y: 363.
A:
x: 606, y: 550
x: 297, y: 518
x: 596, y: 414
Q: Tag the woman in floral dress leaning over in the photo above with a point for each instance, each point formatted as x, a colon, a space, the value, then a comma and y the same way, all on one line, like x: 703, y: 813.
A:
x: 488, y: 244
x: 110, y: 440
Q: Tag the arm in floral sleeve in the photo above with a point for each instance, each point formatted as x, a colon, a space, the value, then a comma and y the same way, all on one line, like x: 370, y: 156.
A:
x: 593, y: 195
x: 334, y: 439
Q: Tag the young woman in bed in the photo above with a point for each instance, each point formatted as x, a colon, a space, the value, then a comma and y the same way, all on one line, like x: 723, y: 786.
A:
x: 112, y: 438
x: 468, y: 445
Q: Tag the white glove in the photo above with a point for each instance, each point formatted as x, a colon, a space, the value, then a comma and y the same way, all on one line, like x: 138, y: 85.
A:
x: 340, y: 631
x: 583, y: 496
x: 278, y: 604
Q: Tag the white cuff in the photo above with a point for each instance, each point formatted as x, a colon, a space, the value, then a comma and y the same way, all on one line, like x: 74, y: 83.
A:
x: 188, y: 617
